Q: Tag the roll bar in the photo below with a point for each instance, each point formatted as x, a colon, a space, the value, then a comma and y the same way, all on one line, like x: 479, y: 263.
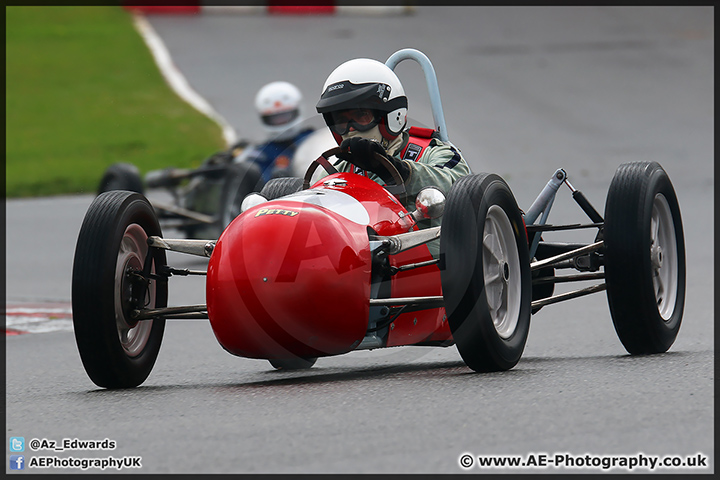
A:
x: 432, y: 85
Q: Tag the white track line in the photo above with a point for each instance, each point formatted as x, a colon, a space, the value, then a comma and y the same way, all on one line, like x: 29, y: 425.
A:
x: 175, y: 78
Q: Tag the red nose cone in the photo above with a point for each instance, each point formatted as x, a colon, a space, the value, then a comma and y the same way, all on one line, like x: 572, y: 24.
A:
x: 289, y: 279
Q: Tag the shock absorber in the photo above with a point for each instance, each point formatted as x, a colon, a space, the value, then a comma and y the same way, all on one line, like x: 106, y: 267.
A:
x: 584, y: 203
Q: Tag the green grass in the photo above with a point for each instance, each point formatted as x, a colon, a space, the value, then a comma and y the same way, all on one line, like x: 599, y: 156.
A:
x: 83, y: 92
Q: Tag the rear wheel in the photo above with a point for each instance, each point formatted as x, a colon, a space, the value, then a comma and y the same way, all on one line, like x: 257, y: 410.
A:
x: 485, y: 273
x: 644, y: 258
x: 293, y: 363
x: 107, y: 285
x: 281, y: 186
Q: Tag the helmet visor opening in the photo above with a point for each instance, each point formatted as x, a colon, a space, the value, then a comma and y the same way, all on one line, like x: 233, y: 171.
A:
x: 281, y: 118
x: 361, y: 119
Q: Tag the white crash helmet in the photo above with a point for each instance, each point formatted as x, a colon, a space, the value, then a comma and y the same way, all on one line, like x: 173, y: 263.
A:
x: 278, y: 104
x: 365, y: 83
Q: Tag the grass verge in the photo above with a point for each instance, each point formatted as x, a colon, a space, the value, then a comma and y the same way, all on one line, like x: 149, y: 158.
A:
x: 83, y: 92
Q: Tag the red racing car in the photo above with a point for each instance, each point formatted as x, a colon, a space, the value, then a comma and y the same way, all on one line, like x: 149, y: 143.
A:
x: 319, y: 268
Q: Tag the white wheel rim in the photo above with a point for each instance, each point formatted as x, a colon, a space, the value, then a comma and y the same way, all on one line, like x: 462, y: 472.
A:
x: 501, y: 271
x: 663, y: 257
x: 133, y: 249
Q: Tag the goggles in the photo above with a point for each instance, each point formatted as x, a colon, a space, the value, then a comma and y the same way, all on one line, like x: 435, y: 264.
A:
x: 281, y: 118
x: 361, y: 119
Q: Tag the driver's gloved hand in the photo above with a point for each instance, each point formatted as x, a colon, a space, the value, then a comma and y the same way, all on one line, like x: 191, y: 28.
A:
x: 361, y: 152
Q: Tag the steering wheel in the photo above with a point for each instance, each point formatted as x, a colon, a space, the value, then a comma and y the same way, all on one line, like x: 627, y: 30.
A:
x: 398, y: 189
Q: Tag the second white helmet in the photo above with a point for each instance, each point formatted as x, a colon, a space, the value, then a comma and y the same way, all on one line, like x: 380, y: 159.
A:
x: 278, y: 104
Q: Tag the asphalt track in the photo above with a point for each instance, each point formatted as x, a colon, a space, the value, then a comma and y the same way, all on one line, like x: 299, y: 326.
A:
x: 525, y: 91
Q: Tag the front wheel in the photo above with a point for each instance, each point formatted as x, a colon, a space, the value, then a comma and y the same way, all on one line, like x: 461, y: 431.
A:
x: 644, y: 258
x: 121, y: 176
x: 108, y: 284
x: 240, y: 179
x: 485, y: 272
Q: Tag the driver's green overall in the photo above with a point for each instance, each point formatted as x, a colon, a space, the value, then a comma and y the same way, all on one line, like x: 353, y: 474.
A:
x: 432, y: 163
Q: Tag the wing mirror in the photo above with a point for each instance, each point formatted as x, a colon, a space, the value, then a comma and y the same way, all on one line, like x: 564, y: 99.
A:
x: 250, y: 200
x: 429, y: 204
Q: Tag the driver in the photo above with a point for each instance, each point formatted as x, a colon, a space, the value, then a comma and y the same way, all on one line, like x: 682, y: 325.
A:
x: 365, y: 107
x: 278, y: 106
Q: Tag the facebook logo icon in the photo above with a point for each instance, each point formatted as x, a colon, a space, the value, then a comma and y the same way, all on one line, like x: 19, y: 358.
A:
x: 17, y: 462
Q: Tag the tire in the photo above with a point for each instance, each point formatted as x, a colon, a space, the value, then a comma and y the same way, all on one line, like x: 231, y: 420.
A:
x: 293, y: 363
x: 121, y: 176
x: 281, y: 186
x: 644, y: 258
x: 240, y: 179
x: 485, y: 273
x: 116, y: 352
